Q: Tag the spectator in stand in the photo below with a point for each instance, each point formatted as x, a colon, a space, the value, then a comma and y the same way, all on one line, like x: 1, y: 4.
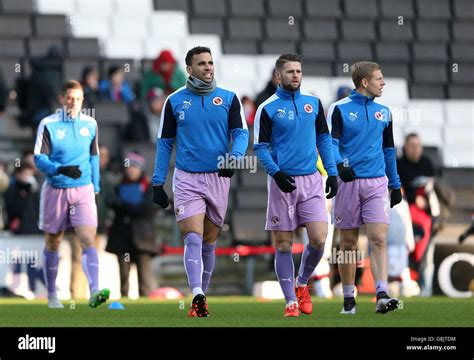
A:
x: 3, y: 93
x: 342, y: 92
x: 249, y: 109
x: 4, y: 184
x: 116, y: 88
x: 90, y: 84
x: 165, y: 74
x: 155, y: 100
x: 268, y: 91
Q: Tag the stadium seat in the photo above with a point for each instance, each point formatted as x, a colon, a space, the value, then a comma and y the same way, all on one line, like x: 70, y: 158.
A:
x: 247, y: 8
x: 18, y: 7
x: 248, y: 227
x: 208, y: 8
x: 459, y: 136
x: 430, y: 52
x: 124, y: 46
x: 459, y: 112
x: 14, y: 47
x: 169, y: 24
x: 278, y: 47
x: 280, y: 29
x: 464, y: 9
x: 128, y: 64
x: 237, y: 67
x: 427, y: 91
x: 245, y: 29
x: 398, y: 137
x: 364, y: 9
x: 389, y: 30
x: 393, y: 9
x: 251, y: 200
x: 430, y: 136
x: 363, y: 30
x: 51, y: 25
x: 56, y: 7
x: 319, y: 86
x: 462, y: 52
x: 73, y: 68
x: 392, y: 52
x: 318, y: 51
x: 434, y: 31
x: 111, y: 113
x: 207, y: 26
x: 91, y: 26
x: 322, y: 30
x: 134, y: 7
x: 463, y: 75
x: 40, y: 46
x: 182, y: 5
x: 240, y: 87
x: 95, y: 8
x: 244, y: 47
x: 110, y: 136
x: 15, y: 26
x: 463, y: 31
x: 458, y: 156
x: 211, y: 41
x: 395, y: 92
x: 323, y: 9
x: 255, y: 181
x: 7, y: 68
x: 130, y: 26
x: 350, y: 51
x: 82, y: 48
x: 153, y: 47
x: 284, y: 8
x: 434, y: 9
x: 426, y: 113
x: 318, y: 68
x: 395, y: 70
x: 430, y: 73
x: 461, y: 91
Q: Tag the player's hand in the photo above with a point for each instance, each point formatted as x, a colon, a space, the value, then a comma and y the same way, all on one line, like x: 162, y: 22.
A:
x: 395, y: 197
x: 284, y: 182
x: 226, y: 173
x: 160, y: 197
x: 72, y: 171
x: 331, y: 187
x: 346, y: 174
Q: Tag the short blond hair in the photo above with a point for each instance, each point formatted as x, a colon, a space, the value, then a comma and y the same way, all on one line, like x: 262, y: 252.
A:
x: 363, y: 69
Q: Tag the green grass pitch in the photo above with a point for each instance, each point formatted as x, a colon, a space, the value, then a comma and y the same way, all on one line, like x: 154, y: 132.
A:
x: 237, y: 311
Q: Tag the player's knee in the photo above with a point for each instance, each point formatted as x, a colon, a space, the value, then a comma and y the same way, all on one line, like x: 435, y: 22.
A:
x: 317, y: 242
x: 52, y: 242
x: 283, y: 246
x: 348, y: 243
x: 378, y: 240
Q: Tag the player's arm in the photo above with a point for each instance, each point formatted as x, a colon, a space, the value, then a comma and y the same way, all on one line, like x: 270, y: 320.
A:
x: 94, y: 161
x: 238, y: 129
x: 164, y: 144
x: 335, y: 127
x: 390, y: 156
x: 262, y: 137
x: 324, y: 142
x: 43, y: 151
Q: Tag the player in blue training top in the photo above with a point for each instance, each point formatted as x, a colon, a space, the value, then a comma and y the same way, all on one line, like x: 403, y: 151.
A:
x: 202, y: 118
x: 366, y: 160
x: 67, y: 151
x: 288, y: 127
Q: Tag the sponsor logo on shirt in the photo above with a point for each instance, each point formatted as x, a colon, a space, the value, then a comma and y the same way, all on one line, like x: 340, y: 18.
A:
x: 217, y: 101
x: 60, y: 133
x: 353, y: 116
x: 281, y: 113
x: 187, y: 104
x: 308, y: 108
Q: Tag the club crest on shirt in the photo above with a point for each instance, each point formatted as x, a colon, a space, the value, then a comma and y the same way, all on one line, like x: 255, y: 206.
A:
x: 275, y: 220
x: 308, y: 108
x: 378, y: 115
x: 217, y: 101
x: 84, y: 131
x: 179, y: 210
x: 338, y: 218
x: 60, y: 133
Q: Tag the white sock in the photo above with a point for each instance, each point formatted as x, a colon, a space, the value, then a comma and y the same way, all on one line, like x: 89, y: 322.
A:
x: 291, y: 302
x: 298, y: 284
x: 197, y: 290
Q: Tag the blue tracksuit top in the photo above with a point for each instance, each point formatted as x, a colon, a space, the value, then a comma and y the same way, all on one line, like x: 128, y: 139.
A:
x: 203, y: 127
x: 362, y: 137
x: 62, y: 141
x: 288, y: 127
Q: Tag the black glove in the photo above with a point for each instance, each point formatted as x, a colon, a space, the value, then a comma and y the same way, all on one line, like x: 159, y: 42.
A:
x: 72, y: 171
x: 331, y: 187
x: 284, y: 182
x: 345, y: 173
x: 226, y: 173
x: 160, y: 197
x: 395, y: 197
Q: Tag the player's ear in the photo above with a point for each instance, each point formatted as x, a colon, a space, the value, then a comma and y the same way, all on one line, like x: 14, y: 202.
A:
x: 365, y: 83
x: 189, y: 69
